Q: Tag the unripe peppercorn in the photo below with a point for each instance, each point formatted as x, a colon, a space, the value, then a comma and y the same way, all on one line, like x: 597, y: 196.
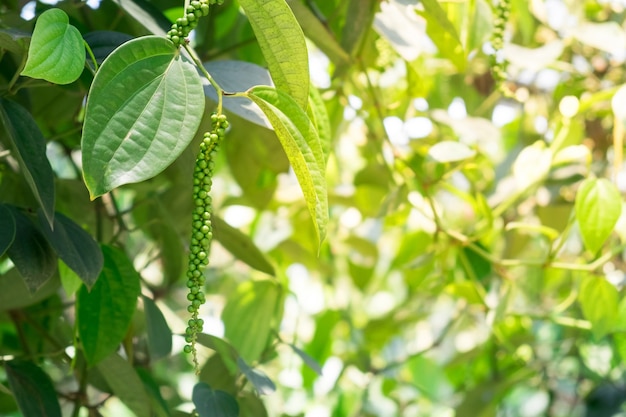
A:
x: 202, y: 230
x: 498, y: 64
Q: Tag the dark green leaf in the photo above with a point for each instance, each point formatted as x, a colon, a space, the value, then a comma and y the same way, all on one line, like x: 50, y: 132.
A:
x: 598, y: 207
x: 7, y: 228
x: 283, y: 45
x: 152, y: 388
x: 103, y: 42
x: 144, y: 107
x: 15, y: 294
x: 250, y: 405
x: 74, y: 246
x: 124, y: 382
x: 220, y: 375
x: 159, y: 333
x: 302, y: 145
x: 31, y: 253
x: 56, y: 52
x: 250, y: 315
x: 261, y: 382
x: 30, y: 151
x: 213, y: 403
x: 105, y: 313
x: 223, y: 348
x: 241, y: 246
x: 33, y: 389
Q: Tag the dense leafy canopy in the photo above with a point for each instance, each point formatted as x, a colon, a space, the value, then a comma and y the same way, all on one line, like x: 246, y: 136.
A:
x: 417, y: 208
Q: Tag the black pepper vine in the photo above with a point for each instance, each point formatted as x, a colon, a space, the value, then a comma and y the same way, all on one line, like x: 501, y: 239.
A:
x: 184, y: 25
x: 498, y: 62
x: 202, y: 231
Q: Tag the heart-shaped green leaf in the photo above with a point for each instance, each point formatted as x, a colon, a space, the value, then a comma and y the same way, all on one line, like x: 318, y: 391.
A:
x: 301, y: 143
x: 210, y: 402
x: 283, y: 45
x: 598, y: 207
x: 144, y: 107
x: 56, y: 52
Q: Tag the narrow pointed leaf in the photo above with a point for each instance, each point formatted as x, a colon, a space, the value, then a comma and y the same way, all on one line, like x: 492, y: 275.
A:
x: 319, y: 116
x: 261, y: 382
x: 319, y: 34
x: 159, y: 406
x: 598, y: 207
x: 282, y: 42
x: 443, y: 33
x: 307, y: 359
x: 226, y: 351
x: 301, y: 143
x: 33, y: 389
x: 144, y: 107
x: 126, y: 385
x: 147, y: 14
x: 31, y: 253
x: 213, y: 403
x: 56, y: 52
x: 105, y: 312
x: 7, y: 229
x: 75, y: 247
x: 159, y: 333
x: 29, y: 148
x: 241, y: 246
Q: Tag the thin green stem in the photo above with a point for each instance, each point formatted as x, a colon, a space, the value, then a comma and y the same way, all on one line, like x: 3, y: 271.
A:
x: 92, y: 56
x: 590, y: 267
x: 17, y: 74
x: 218, y: 89
x: 561, y: 137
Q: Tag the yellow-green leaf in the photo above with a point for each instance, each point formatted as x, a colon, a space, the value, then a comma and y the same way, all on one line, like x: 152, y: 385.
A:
x: 301, y: 143
x: 284, y: 47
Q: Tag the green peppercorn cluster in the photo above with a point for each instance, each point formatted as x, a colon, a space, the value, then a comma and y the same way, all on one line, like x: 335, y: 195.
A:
x: 498, y: 63
x: 202, y: 231
x: 196, y: 9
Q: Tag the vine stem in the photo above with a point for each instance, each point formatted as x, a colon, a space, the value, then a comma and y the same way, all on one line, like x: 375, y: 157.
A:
x: 92, y: 56
x: 218, y: 89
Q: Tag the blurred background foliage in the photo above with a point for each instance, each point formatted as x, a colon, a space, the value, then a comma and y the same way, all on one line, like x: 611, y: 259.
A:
x: 453, y: 281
